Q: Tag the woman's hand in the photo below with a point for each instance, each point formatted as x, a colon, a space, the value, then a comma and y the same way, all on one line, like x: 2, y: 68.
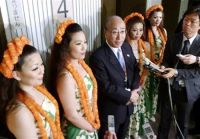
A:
x: 170, y: 73
x: 91, y: 129
x: 110, y: 135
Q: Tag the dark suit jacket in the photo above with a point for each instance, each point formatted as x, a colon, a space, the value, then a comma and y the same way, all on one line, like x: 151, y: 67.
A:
x: 112, y: 96
x: 190, y: 74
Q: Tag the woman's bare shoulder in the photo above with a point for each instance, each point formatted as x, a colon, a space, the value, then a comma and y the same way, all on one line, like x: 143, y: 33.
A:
x: 19, y: 120
x: 65, y: 82
x: 19, y: 113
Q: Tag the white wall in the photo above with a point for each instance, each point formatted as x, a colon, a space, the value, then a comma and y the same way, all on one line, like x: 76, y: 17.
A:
x: 37, y: 19
x: 152, y: 2
x: 183, y: 8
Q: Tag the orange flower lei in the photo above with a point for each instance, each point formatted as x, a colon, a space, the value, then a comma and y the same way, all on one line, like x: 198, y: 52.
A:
x: 61, y: 29
x: 127, y: 18
x: 91, y: 112
x: 153, y: 8
x: 10, y: 57
x: 37, y: 111
x: 152, y: 42
x: 142, y: 49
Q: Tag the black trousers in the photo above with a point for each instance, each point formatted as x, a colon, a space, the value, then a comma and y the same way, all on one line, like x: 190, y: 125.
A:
x: 183, y: 109
x: 196, y: 113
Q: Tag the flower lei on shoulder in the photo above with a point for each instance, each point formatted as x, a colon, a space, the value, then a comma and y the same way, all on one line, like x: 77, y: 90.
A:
x: 152, y: 43
x: 61, y: 29
x: 142, y: 49
x: 151, y: 36
x: 90, y: 112
x: 10, y: 57
x: 37, y: 111
x: 134, y: 14
x: 141, y: 46
x: 153, y: 8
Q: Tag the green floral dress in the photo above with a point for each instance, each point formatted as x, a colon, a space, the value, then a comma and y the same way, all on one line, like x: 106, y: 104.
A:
x: 146, y: 107
x: 70, y: 131
x: 153, y: 83
x: 139, y: 116
x: 49, y: 107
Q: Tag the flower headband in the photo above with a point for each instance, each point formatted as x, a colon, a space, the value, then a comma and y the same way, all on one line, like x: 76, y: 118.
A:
x: 134, y: 14
x: 10, y: 57
x: 153, y: 8
x: 61, y: 29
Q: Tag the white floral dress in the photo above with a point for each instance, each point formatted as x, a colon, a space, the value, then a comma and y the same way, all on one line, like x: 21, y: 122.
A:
x: 71, y: 131
x: 49, y: 107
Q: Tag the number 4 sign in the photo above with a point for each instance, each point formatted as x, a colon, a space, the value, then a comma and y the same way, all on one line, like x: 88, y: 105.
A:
x: 62, y: 9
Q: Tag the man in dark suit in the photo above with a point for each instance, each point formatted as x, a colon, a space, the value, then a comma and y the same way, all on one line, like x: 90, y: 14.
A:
x: 117, y: 74
x: 185, y: 79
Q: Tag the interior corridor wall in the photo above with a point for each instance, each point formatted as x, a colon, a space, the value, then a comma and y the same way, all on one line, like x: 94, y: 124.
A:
x: 38, y: 20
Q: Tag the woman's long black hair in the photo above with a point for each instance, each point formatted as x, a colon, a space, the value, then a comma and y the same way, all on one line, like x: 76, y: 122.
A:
x: 58, y: 58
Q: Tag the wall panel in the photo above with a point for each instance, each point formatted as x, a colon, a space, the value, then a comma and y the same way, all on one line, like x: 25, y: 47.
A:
x: 38, y: 19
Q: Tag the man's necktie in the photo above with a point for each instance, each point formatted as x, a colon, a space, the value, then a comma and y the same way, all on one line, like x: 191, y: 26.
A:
x: 185, y: 47
x: 180, y: 64
x: 121, y: 59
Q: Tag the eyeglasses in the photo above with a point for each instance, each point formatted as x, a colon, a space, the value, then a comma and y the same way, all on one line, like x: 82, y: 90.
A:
x: 118, y: 32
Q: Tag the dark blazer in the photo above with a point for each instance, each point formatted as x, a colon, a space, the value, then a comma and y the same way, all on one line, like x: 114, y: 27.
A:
x: 112, y: 96
x: 190, y: 74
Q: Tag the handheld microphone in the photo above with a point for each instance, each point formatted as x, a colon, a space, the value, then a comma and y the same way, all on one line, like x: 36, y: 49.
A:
x: 111, y: 123
x: 149, y: 131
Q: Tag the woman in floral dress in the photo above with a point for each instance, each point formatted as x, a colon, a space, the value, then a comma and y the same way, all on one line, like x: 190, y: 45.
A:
x: 73, y: 82
x: 156, y: 35
x: 135, y: 29
x: 27, y: 109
